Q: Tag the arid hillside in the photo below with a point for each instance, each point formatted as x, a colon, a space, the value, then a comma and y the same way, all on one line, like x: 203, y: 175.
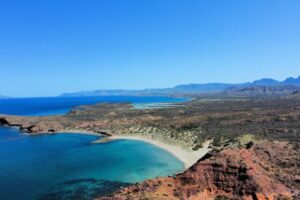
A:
x: 189, y: 123
x: 255, y: 144
x: 264, y: 171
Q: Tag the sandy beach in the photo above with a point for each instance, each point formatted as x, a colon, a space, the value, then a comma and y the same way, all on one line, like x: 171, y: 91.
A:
x: 81, y: 131
x: 187, y: 157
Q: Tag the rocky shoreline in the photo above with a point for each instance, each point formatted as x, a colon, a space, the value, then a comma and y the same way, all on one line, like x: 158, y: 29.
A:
x: 233, y: 173
x: 255, y: 145
x: 187, y: 156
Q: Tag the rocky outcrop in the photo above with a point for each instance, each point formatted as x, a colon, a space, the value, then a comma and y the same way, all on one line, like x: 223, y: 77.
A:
x: 34, y: 125
x: 258, y: 171
x: 3, y: 121
x: 230, y: 174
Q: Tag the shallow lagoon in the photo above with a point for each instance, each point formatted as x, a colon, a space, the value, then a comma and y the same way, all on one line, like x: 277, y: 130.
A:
x: 31, y: 166
x: 69, y: 166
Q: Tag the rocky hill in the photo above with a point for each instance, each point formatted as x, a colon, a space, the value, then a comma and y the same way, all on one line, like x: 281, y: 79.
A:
x: 291, y: 81
x: 263, y: 91
x: 295, y: 95
x: 255, y: 172
x: 255, y: 142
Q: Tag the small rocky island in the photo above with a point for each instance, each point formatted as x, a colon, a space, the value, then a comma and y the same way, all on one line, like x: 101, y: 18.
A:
x: 254, y: 144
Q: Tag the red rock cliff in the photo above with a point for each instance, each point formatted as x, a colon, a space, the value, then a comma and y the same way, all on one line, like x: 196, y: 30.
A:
x: 230, y: 174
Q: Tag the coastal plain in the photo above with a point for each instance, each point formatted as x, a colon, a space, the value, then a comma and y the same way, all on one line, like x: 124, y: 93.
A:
x: 253, y: 143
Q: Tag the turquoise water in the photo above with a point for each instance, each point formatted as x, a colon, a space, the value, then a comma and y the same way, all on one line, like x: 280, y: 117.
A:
x: 154, y: 105
x: 70, y: 166
x: 31, y: 166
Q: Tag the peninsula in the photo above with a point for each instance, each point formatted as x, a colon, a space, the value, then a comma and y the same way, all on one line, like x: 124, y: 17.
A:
x: 246, y: 138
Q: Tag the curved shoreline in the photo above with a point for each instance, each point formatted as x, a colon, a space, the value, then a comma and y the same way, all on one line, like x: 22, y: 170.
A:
x: 188, y: 158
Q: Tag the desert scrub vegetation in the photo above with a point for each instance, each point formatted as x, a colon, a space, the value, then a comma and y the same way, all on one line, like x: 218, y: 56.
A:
x: 190, y: 124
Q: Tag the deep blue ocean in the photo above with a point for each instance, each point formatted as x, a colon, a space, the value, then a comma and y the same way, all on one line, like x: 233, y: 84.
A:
x: 69, y: 166
x: 60, y: 105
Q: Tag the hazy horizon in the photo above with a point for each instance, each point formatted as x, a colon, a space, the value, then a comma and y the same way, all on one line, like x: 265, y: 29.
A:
x: 51, y: 47
x: 145, y: 88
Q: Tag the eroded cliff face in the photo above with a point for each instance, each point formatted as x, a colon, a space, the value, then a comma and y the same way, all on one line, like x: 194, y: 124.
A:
x: 229, y: 174
x: 265, y: 170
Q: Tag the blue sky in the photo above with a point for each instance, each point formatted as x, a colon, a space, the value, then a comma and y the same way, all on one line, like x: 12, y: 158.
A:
x: 53, y: 46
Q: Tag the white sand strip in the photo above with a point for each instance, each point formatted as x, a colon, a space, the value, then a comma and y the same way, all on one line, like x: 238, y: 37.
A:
x: 187, y: 157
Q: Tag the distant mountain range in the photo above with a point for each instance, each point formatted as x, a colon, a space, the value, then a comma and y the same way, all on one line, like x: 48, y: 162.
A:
x: 273, y: 90
x: 262, y: 86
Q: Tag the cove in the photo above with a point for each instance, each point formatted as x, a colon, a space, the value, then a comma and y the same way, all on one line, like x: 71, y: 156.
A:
x: 70, y: 166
